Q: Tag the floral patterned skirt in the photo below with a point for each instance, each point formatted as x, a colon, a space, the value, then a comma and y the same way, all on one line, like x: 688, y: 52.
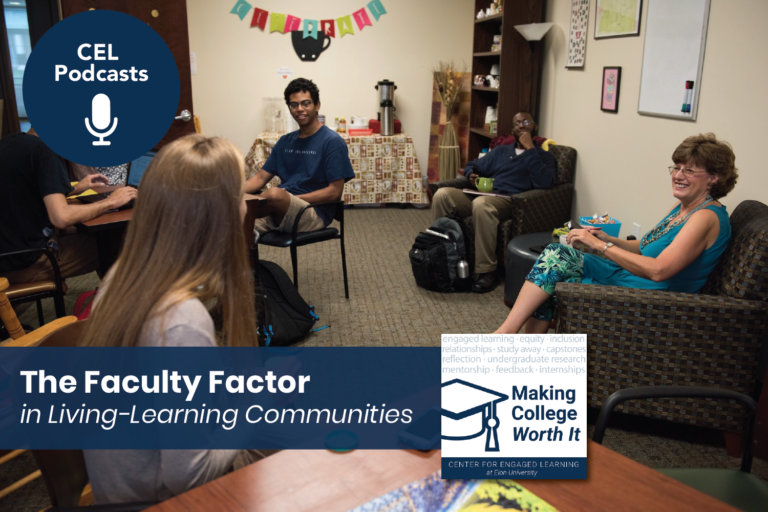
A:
x: 557, y: 264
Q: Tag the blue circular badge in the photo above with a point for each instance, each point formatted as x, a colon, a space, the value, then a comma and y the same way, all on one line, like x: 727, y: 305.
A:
x: 101, y: 88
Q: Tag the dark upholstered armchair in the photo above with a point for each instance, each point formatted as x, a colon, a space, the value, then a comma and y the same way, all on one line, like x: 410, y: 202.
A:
x: 652, y: 338
x: 535, y: 210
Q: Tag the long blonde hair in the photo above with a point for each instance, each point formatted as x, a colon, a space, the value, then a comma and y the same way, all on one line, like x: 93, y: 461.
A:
x: 185, y: 241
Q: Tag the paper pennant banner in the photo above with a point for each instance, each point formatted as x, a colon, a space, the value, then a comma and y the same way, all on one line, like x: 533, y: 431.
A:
x: 328, y: 27
x: 361, y: 18
x: 285, y: 23
x: 241, y: 8
x: 277, y: 23
x: 292, y: 23
x: 310, y: 29
x: 376, y: 9
x: 259, y: 18
x: 345, y: 26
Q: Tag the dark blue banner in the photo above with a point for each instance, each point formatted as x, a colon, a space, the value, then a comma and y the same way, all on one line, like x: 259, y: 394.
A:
x: 209, y: 398
x: 538, y: 468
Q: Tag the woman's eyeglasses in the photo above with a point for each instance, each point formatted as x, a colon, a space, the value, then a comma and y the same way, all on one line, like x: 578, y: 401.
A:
x: 689, y: 173
x: 305, y: 104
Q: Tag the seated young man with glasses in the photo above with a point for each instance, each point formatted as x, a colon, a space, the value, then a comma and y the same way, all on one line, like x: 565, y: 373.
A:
x: 514, y: 168
x: 312, y: 164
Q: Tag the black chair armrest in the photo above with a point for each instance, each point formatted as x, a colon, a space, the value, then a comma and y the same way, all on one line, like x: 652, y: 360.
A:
x: 339, y: 215
x: 679, y: 392
x: 454, y: 183
x: 51, y: 259
x: 539, y: 193
x: 619, y: 298
x: 620, y: 311
x: 540, y: 210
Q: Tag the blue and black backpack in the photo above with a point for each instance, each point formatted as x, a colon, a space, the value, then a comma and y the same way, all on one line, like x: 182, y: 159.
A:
x: 284, y: 316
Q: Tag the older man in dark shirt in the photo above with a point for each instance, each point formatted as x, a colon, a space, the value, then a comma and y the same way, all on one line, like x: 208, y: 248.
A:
x: 515, y: 168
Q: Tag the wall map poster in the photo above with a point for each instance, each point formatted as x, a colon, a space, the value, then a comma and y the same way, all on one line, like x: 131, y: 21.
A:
x: 577, y: 39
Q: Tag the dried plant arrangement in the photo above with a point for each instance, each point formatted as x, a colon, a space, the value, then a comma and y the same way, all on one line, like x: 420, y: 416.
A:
x: 448, y: 78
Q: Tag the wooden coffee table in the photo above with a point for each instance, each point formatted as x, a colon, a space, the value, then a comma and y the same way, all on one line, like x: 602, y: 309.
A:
x: 320, y: 480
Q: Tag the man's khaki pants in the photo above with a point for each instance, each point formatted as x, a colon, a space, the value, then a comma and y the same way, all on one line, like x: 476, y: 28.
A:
x: 310, y: 221
x: 486, y: 213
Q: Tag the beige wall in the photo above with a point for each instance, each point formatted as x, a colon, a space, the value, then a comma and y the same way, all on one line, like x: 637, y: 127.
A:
x: 623, y: 157
x: 237, y: 65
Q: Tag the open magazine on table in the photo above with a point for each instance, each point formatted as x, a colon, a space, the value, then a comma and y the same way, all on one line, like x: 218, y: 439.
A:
x: 432, y: 494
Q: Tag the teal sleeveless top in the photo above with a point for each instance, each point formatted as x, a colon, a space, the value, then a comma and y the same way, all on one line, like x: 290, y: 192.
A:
x: 691, y: 279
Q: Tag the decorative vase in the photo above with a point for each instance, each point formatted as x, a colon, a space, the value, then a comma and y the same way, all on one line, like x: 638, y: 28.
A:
x: 449, y: 156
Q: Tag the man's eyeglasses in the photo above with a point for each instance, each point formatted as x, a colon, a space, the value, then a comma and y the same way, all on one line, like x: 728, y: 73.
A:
x: 523, y: 123
x: 689, y: 173
x: 305, y: 104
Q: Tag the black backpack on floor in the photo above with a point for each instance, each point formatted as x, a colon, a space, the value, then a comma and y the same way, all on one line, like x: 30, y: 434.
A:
x: 435, y: 258
x: 285, y: 317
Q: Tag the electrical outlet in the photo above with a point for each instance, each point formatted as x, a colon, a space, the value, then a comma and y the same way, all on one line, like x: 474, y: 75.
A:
x: 636, y: 230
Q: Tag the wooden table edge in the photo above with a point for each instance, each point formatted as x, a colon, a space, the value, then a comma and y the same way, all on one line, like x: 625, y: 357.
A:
x: 616, y: 483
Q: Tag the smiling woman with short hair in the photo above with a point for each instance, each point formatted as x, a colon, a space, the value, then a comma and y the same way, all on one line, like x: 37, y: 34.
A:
x: 677, y: 255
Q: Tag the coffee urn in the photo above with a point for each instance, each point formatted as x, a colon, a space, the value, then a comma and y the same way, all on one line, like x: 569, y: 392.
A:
x: 387, y: 115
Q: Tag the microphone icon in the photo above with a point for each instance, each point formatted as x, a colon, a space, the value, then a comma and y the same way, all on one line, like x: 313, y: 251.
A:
x: 100, y: 112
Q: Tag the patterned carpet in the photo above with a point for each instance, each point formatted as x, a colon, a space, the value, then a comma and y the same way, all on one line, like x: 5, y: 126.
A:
x: 386, y: 308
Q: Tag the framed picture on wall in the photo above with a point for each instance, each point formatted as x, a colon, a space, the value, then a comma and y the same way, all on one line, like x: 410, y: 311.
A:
x: 617, y: 18
x: 609, y: 98
x: 577, y: 39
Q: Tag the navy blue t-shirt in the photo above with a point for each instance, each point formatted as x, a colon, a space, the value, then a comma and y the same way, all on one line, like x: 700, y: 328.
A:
x: 310, y: 164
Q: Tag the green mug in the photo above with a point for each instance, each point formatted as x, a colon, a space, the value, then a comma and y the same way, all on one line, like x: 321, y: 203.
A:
x: 484, y: 184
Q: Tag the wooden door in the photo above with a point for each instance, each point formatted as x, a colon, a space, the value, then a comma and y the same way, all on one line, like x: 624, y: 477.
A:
x: 9, y: 117
x: 169, y: 19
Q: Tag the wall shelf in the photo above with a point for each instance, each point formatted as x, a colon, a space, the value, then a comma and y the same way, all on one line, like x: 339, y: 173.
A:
x: 482, y: 88
x: 486, y: 54
x: 484, y: 133
x: 495, y: 17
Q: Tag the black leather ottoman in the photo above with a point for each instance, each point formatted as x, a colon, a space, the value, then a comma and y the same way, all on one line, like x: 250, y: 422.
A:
x: 520, y: 259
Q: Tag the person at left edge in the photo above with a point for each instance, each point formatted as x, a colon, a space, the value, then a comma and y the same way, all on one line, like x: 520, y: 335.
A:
x: 33, y: 201
x: 312, y: 164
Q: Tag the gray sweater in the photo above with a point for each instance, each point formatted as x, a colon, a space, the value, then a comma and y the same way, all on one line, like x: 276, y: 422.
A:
x: 121, y: 476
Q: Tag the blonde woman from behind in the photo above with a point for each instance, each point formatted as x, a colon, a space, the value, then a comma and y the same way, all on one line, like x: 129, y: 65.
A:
x: 185, y: 248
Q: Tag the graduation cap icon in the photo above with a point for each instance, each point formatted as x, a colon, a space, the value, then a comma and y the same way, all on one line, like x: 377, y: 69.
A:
x: 470, y: 411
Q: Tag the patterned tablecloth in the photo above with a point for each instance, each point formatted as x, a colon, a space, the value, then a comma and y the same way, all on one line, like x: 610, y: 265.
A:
x: 386, y: 168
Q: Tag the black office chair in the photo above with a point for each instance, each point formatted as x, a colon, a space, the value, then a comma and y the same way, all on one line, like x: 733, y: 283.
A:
x: 738, y: 488
x: 28, y: 292
x: 295, y: 239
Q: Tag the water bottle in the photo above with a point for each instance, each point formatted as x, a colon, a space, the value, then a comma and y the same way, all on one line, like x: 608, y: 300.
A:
x: 463, y: 269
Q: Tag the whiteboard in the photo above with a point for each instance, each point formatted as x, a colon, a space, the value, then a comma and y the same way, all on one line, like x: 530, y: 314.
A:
x: 675, y: 37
